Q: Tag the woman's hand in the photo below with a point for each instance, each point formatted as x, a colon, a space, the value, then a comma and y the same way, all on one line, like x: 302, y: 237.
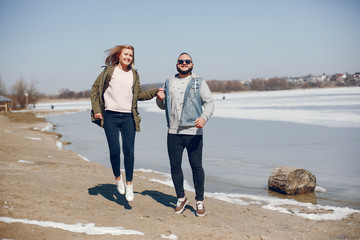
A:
x: 98, y: 116
x: 161, y: 94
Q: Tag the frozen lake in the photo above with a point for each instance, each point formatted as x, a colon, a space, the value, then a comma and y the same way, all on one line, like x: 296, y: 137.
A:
x: 249, y: 135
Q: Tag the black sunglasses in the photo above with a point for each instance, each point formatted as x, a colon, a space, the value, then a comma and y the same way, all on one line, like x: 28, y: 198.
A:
x: 187, y: 61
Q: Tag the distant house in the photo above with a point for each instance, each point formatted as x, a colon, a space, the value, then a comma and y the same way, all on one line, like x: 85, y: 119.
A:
x: 5, y: 103
x: 338, y: 78
x: 357, y: 76
x: 297, y: 80
x: 315, y: 78
x: 324, y: 77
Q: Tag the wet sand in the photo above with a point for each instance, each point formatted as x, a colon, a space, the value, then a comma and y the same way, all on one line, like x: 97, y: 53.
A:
x: 39, y: 181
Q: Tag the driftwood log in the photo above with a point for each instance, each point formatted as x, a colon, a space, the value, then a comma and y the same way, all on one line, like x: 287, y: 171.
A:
x: 291, y: 181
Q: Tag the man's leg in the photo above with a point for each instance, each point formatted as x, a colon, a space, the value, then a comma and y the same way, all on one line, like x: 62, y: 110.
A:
x: 175, y: 152
x: 194, y: 145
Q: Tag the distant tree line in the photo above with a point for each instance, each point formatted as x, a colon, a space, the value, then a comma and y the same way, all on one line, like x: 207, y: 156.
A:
x: 272, y: 84
x: 256, y: 84
x: 236, y: 85
x: 68, y: 94
x: 23, y: 93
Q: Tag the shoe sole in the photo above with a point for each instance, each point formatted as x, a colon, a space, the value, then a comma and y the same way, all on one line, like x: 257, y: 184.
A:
x: 181, y: 210
x: 200, y: 215
x: 129, y: 199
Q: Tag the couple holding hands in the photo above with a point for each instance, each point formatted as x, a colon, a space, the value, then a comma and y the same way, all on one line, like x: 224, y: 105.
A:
x: 188, y: 105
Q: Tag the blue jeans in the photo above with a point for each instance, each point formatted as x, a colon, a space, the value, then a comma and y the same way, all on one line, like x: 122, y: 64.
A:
x: 115, y: 123
x: 176, y: 144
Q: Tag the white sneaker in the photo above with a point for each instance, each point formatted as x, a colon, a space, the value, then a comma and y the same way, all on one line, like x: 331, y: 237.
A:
x: 120, y: 186
x: 129, y: 192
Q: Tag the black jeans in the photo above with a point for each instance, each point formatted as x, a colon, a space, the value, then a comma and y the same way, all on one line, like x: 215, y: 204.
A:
x: 115, y: 123
x: 193, y: 144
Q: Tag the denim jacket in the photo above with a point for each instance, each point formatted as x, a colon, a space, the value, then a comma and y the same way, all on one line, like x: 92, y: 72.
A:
x: 192, y: 107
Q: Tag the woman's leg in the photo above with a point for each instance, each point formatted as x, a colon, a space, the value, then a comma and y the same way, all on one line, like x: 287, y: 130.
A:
x: 111, y: 127
x: 128, y: 143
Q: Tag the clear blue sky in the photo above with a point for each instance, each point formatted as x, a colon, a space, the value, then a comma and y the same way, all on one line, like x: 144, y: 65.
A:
x: 61, y: 44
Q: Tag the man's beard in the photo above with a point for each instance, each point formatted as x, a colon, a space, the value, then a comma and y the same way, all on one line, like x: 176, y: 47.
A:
x: 184, y: 72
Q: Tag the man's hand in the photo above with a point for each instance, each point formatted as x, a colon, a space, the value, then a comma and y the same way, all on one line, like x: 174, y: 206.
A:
x: 200, y: 122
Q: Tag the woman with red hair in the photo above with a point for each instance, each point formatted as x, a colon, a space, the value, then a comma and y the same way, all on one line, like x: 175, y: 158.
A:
x: 114, y: 97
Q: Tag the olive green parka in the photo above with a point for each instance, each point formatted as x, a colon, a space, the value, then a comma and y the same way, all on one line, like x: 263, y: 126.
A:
x: 97, y: 95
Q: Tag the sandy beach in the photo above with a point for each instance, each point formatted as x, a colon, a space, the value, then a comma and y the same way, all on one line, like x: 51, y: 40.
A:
x: 51, y: 193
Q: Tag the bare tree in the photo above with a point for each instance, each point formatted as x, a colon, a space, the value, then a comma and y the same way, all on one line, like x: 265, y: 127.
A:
x: 2, y: 87
x: 276, y: 84
x: 18, y: 91
x: 257, y: 84
x: 66, y: 93
x: 23, y: 94
x: 33, y: 93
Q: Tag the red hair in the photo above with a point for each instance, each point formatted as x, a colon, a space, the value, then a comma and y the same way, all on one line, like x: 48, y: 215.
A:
x: 114, y: 54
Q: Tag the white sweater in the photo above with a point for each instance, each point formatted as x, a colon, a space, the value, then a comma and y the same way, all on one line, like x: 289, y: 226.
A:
x: 118, y: 96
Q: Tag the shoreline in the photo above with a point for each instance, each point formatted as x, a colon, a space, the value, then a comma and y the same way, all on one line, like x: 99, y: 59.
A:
x: 323, y: 195
x: 40, y: 182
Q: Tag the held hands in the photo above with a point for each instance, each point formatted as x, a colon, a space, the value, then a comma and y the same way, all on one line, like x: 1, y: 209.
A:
x: 98, y: 116
x: 161, y: 94
x: 200, y: 122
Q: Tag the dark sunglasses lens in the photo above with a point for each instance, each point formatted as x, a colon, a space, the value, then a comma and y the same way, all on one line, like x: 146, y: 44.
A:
x: 187, y: 61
